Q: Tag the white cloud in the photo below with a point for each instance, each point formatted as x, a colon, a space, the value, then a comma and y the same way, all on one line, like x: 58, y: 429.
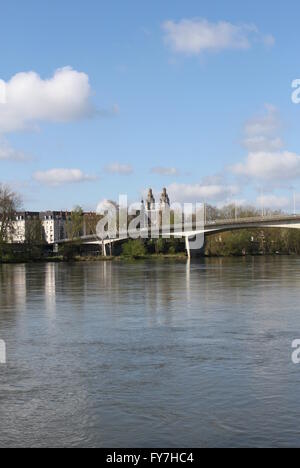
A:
x: 56, y: 177
x: 7, y: 153
x: 29, y: 99
x: 106, y: 205
x: 267, y: 160
x: 261, y: 132
x: 270, y: 166
x: 273, y: 202
x: 238, y: 202
x: 263, y: 143
x: 194, y: 36
x: 165, y: 171
x: 121, y: 169
x: 269, y: 40
x: 200, y: 193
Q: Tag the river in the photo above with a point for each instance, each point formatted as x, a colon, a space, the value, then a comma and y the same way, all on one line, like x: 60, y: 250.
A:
x: 150, y: 354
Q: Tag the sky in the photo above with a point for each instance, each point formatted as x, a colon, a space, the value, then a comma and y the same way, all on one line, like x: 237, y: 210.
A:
x: 105, y: 98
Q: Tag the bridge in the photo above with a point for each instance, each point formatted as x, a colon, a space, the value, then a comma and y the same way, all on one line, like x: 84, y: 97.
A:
x: 191, y: 231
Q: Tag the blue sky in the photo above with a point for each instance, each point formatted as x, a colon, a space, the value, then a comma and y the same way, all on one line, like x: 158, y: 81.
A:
x: 174, y: 89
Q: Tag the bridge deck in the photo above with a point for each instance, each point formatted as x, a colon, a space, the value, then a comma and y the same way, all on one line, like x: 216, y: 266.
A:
x: 254, y: 220
x: 209, y: 226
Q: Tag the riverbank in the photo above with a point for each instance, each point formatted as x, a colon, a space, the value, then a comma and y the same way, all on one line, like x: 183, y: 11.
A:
x: 248, y: 243
x: 155, y: 257
x: 85, y: 259
x: 58, y: 259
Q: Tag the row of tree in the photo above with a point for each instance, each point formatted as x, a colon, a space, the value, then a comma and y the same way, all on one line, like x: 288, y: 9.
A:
x: 235, y: 243
x: 142, y: 248
x: 254, y: 242
x: 249, y: 242
x: 233, y: 211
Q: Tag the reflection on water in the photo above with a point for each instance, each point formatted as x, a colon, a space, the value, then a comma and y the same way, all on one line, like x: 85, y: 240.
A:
x: 150, y: 353
x: 50, y: 290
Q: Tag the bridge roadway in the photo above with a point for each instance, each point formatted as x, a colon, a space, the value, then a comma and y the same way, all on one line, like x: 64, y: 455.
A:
x: 191, y: 231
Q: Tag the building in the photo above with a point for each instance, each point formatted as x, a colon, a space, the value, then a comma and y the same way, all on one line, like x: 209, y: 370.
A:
x: 154, y: 211
x: 55, y: 225
x: 150, y: 202
x: 18, y: 235
x: 164, y: 200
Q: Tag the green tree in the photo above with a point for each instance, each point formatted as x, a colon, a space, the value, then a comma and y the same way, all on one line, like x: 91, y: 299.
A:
x: 175, y: 246
x: 160, y: 246
x: 34, y: 239
x: 293, y: 240
x: 69, y: 251
x: 34, y: 232
x: 134, y: 249
x: 75, y: 223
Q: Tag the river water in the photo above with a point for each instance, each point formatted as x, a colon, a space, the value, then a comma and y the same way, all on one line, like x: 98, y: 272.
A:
x: 150, y: 354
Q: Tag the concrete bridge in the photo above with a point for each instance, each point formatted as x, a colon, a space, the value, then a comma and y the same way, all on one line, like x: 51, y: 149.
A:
x: 191, y: 231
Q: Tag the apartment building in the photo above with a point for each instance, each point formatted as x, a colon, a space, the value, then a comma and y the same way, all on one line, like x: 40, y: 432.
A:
x: 18, y: 235
x: 55, y: 225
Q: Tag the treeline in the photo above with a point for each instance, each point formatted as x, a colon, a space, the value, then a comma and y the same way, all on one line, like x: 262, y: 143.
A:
x: 234, y: 243
x: 142, y: 248
x: 254, y: 242
x: 233, y: 211
x: 249, y: 241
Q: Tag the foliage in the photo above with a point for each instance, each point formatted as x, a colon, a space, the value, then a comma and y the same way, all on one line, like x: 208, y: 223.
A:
x: 69, y: 251
x: 34, y: 234
x: 21, y: 253
x: 91, y: 220
x: 160, y: 246
x: 134, y: 249
x: 254, y: 242
x: 175, y: 246
x: 75, y: 224
x: 232, y: 211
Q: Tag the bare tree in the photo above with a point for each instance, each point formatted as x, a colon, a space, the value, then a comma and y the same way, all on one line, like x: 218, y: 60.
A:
x: 10, y: 203
x: 34, y: 232
x: 75, y: 224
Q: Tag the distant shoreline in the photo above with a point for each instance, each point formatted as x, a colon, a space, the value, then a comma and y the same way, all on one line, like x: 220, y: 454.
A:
x: 97, y: 259
x: 92, y: 259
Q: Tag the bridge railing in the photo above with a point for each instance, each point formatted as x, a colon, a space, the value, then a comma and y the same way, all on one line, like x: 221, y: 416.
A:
x: 253, y: 219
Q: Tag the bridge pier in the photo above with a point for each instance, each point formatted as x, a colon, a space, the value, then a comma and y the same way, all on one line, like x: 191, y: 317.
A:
x: 187, y: 245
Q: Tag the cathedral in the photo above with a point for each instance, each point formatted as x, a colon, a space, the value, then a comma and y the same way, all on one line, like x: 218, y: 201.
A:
x: 151, y: 203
